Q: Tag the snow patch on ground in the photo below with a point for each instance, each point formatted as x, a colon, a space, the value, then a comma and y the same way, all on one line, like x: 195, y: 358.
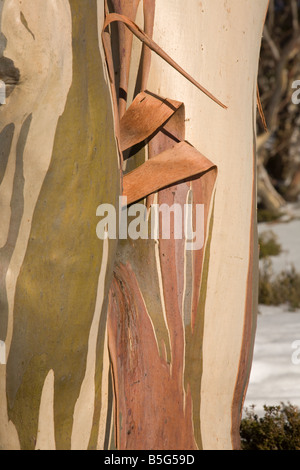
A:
x: 274, y: 377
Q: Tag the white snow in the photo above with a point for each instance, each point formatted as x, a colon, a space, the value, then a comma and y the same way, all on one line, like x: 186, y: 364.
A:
x: 275, y: 375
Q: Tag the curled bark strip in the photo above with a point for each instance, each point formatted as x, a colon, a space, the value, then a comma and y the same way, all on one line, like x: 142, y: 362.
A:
x: 127, y: 8
x: 149, y: 15
x: 155, y: 48
x: 135, y: 126
x: 176, y: 164
x: 110, y: 68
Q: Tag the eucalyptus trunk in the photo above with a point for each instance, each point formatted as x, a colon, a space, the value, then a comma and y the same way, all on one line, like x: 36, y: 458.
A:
x: 117, y: 341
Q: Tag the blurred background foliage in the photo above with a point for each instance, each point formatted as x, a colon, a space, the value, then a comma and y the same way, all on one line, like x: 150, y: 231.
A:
x: 278, y: 148
x: 278, y: 429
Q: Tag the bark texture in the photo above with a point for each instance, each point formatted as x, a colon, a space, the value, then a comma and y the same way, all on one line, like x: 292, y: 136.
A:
x: 127, y: 344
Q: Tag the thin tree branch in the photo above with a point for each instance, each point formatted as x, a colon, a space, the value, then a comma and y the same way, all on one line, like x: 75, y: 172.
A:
x: 271, y: 43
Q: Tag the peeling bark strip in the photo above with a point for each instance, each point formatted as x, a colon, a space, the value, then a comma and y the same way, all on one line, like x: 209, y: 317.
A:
x: 155, y: 48
x: 182, y: 162
x: 135, y: 125
x: 129, y: 9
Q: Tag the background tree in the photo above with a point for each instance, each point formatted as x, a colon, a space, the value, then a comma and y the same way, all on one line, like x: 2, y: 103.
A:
x: 278, y: 149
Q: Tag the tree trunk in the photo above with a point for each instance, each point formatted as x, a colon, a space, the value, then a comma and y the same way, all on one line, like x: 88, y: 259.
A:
x: 139, y: 343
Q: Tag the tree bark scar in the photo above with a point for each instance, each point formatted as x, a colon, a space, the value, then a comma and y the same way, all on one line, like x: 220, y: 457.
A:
x: 24, y: 22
